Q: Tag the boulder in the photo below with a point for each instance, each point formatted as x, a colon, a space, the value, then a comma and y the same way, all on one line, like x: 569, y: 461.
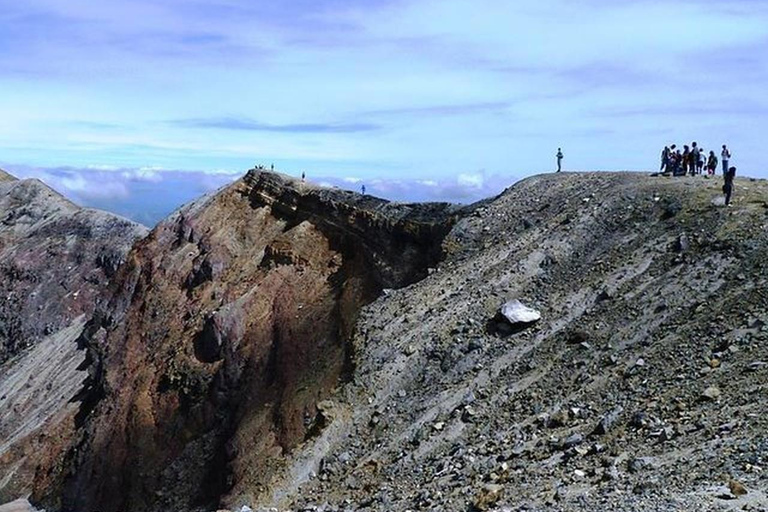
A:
x: 517, y: 313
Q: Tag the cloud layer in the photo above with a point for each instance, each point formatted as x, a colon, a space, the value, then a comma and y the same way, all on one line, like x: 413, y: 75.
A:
x: 148, y: 195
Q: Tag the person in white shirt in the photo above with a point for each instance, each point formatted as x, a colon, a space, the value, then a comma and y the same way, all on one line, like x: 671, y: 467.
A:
x: 725, y: 157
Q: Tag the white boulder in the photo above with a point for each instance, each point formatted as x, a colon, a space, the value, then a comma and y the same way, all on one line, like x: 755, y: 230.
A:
x: 518, y: 313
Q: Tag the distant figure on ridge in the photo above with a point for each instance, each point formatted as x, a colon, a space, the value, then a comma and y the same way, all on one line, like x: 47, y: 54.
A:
x: 362, y: 189
x: 559, y: 159
x: 729, y: 175
x: 271, y: 167
x: 725, y: 157
x: 665, y: 153
x: 686, y: 160
x: 695, y: 154
x: 711, y: 164
x: 303, y: 176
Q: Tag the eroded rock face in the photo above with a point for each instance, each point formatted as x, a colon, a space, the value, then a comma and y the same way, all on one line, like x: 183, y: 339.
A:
x: 55, y: 260
x: 227, y: 327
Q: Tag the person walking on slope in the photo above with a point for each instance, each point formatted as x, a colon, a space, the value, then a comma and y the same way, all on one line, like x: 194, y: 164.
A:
x: 725, y: 157
x: 729, y: 176
x: 559, y: 159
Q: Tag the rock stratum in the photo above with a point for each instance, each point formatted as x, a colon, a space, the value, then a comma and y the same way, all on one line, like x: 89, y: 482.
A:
x: 282, y: 345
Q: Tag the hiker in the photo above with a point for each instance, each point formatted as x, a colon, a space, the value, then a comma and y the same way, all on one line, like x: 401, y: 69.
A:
x: 711, y: 163
x: 362, y: 189
x: 559, y: 159
x: 725, y: 157
x: 694, y: 156
x: 702, y: 161
x: 303, y: 176
x: 665, y: 153
x: 729, y: 175
x: 272, y: 167
x: 686, y: 160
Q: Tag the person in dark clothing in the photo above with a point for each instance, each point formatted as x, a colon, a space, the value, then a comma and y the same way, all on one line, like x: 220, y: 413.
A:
x: 665, y: 158
x: 559, y: 159
x: 728, y: 184
x: 362, y: 189
x: 711, y: 163
x: 686, y: 160
x: 695, y: 154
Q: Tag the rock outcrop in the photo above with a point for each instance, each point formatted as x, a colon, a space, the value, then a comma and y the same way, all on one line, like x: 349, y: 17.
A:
x: 55, y: 257
x: 227, y: 328
x: 55, y: 260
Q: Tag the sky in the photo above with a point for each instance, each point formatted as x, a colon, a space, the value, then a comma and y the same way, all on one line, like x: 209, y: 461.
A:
x: 132, y: 105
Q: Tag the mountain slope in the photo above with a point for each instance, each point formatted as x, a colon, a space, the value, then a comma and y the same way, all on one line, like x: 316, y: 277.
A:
x: 282, y: 345
x: 640, y: 389
x: 55, y: 260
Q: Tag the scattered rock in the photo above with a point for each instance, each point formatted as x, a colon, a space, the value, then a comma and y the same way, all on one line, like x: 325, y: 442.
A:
x: 608, y: 421
x: 736, y: 488
x: 489, y: 495
x: 712, y: 393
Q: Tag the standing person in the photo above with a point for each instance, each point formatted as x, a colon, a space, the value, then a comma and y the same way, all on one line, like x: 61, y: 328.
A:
x: 686, y: 160
x: 729, y: 175
x: 559, y: 159
x: 695, y: 154
x: 725, y: 157
x: 362, y: 189
x: 664, y: 158
x: 303, y: 176
x: 711, y: 163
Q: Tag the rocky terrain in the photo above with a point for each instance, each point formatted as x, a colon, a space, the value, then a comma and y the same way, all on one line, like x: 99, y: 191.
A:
x: 643, y: 387
x: 55, y: 257
x: 286, y: 347
x: 55, y: 260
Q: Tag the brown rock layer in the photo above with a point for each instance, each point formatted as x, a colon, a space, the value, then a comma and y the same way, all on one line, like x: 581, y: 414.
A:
x: 228, y: 325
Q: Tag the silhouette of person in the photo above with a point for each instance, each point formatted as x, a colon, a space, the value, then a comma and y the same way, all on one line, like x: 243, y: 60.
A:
x: 303, y: 176
x: 559, y: 159
x: 729, y: 176
x: 363, y: 189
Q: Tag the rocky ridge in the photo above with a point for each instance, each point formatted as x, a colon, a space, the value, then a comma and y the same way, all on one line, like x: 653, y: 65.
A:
x: 288, y: 347
x: 55, y: 260
x: 227, y: 328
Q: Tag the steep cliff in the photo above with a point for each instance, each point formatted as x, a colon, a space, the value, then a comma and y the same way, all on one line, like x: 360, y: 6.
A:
x: 55, y: 260
x: 227, y: 328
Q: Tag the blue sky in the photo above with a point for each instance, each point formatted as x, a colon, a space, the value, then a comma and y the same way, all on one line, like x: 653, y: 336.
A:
x: 426, y: 99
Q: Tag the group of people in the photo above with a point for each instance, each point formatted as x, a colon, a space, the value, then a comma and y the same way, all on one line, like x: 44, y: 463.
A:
x: 692, y: 160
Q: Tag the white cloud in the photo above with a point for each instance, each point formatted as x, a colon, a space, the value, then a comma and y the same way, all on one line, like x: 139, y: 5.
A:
x: 471, y: 180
